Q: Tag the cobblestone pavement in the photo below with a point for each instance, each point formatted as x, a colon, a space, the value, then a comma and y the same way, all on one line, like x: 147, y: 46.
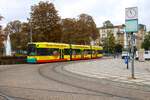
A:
x: 54, y: 82
x: 113, y: 69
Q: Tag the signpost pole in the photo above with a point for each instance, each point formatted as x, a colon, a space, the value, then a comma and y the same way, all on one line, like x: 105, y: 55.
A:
x: 127, y: 49
x: 30, y: 32
x: 131, y: 22
x: 132, y: 52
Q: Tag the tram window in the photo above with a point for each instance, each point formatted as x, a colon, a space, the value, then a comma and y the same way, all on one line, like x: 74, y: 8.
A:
x: 76, y: 51
x: 100, y: 51
x: 43, y: 51
x: 73, y: 52
x: 54, y: 51
x: 87, y: 51
x: 94, y: 52
x: 47, y: 51
x: 66, y: 51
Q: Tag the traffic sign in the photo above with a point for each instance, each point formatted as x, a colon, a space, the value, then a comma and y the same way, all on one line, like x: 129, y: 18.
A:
x: 131, y: 13
x: 131, y: 25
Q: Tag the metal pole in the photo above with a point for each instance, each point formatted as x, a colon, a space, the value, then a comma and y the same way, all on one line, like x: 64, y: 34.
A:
x: 127, y: 50
x: 132, y: 52
x: 30, y: 31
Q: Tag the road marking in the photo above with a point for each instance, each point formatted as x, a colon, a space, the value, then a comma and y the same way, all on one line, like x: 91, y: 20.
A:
x: 6, y: 97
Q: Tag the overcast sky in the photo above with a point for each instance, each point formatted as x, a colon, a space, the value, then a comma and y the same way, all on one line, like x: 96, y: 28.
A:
x: 100, y: 10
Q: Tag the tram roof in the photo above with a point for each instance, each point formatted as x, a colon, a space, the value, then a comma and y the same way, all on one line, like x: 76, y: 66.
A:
x: 63, y: 45
x: 50, y: 45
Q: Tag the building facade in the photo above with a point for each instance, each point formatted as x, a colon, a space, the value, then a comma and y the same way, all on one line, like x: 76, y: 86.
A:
x: 121, y: 37
x: 117, y: 31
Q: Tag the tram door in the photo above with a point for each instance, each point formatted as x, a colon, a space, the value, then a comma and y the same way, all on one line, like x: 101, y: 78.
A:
x: 61, y: 53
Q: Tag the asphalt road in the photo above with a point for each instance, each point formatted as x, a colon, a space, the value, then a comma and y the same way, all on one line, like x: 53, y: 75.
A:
x: 51, y: 82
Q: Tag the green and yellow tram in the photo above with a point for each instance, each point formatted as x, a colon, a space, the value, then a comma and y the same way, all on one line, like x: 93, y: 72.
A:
x: 42, y: 52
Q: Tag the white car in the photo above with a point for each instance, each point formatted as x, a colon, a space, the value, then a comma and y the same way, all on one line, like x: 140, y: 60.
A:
x: 125, y: 54
x: 146, y: 55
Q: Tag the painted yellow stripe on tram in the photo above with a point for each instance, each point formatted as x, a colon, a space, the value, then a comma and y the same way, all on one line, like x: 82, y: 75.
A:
x: 44, y: 57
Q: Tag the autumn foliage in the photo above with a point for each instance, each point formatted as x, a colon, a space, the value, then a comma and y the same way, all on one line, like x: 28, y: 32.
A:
x: 1, y: 35
x: 45, y: 23
x: 47, y: 26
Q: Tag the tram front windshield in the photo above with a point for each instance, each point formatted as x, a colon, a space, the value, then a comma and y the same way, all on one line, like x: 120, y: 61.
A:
x: 31, y: 50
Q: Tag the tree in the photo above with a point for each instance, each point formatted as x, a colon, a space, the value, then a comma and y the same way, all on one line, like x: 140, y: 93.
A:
x: 109, y: 43
x: 13, y: 27
x: 86, y: 29
x: 146, y: 42
x: 69, y: 30
x: 1, y: 35
x: 107, y: 24
x: 118, y: 48
x: 45, y: 23
x: 19, y: 41
x: 18, y: 34
x: 1, y: 38
x: 79, y: 31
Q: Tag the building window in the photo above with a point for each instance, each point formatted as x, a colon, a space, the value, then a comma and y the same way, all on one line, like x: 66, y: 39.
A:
x: 103, y: 35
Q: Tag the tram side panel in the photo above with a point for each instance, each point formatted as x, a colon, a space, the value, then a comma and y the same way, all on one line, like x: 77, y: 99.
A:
x: 43, y: 53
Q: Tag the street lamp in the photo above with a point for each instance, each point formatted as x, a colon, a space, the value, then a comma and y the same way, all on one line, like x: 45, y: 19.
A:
x: 30, y: 25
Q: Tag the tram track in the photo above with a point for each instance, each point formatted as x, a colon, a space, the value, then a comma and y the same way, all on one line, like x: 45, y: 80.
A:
x: 54, y: 71
x: 47, y: 90
x: 98, y: 93
x: 98, y: 80
x: 5, y: 96
x: 8, y: 97
x: 56, y: 75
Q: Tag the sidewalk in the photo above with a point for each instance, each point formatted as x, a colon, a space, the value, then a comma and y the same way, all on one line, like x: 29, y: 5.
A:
x: 113, y: 69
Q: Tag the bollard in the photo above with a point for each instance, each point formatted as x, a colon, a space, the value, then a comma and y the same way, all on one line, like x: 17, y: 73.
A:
x: 127, y: 61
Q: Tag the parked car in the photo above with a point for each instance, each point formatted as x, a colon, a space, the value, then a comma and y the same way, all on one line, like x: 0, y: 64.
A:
x: 125, y: 54
x: 146, y: 55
